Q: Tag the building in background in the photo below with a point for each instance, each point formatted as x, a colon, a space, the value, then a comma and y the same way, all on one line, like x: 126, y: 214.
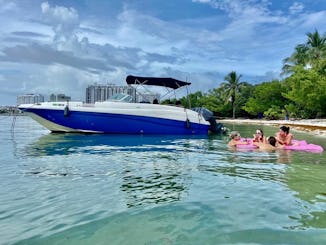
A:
x: 103, y: 92
x: 97, y: 92
x: 59, y: 97
x: 30, y: 99
x: 148, y: 97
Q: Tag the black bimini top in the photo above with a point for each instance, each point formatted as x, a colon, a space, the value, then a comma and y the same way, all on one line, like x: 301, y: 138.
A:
x: 156, y: 81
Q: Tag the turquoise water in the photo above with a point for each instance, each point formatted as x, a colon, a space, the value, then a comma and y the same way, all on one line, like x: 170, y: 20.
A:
x: 104, y: 189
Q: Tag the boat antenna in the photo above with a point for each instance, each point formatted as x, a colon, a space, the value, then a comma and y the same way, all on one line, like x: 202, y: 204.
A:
x: 189, y: 102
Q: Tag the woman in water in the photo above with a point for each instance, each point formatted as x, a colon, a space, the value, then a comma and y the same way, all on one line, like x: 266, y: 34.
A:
x: 259, y: 136
x: 283, y: 136
x: 236, y: 139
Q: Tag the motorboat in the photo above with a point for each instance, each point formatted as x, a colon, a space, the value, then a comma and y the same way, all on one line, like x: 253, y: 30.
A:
x: 120, y: 115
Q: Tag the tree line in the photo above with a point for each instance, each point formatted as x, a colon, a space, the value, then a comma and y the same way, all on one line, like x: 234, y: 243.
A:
x: 301, y: 94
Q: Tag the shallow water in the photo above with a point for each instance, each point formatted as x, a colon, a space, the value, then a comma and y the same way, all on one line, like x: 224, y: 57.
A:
x: 119, y: 189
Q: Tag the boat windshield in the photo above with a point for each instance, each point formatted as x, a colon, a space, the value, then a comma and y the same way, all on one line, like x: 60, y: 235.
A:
x: 121, y: 98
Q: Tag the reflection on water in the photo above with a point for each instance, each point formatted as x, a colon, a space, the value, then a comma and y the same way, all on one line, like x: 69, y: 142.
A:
x: 307, y: 186
x: 284, y: 156
x: 65, y: 144
x: 119, y: 189
x: 304, y: 176
x: 247, y: 172
x: 156, y: 187
x: 195, y: 223
x: 158, y: 180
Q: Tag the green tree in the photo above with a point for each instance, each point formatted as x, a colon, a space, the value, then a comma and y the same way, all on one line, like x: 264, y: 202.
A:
x: 214, y: 101
x: 306, y: 91
x: 308, y: 54
x: 317, y: 46
x: 192, y: 100
x: 245, y: 93
x: 299, y: 57
x: 265, y: 96
x: 231, y: 88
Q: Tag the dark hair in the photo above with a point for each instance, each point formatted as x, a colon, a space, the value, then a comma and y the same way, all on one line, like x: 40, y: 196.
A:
x: 155, y: 101
x: 272, y: 140
x: 285, y: 129
x: 262, y: 132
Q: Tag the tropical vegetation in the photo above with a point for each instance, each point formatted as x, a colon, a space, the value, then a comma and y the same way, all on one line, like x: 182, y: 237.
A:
x: 300, y: 94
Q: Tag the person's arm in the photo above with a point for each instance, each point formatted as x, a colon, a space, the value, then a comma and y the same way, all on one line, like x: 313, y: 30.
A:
x: 279, y: 140
x: 242, y: 143
x: 288, y: 139
x: 256, y: 144
x: 254, y: 138
x: 231, y: 143
x: 265, y: 140
x: 278, y: 146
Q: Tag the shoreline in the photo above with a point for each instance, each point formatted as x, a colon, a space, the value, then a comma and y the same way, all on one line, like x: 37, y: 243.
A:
x: 311, y: 126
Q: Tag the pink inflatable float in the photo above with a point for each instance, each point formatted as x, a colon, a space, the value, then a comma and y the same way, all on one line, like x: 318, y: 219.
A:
x: 249, y: 146
x: 298, y: 145
x: 302, y: 145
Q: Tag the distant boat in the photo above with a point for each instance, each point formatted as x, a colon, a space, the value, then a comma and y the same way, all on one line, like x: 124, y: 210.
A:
x: 121, y: 116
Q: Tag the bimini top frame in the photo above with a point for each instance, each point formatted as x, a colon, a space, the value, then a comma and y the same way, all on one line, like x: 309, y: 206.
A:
x: 170, y: 83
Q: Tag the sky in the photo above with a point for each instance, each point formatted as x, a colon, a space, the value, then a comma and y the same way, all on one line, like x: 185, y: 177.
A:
x: 63, y: 46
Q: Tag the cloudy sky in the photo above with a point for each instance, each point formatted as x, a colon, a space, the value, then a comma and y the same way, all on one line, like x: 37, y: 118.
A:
x: 63, y: 46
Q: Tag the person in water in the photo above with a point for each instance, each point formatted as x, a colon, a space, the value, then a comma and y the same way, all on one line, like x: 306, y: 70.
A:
x: 236, y: 139
x: 259, y: 136
x: 269, y: 144
x: 283, y: 136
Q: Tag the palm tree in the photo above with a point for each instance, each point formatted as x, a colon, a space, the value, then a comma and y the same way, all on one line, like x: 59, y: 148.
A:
x: 299, y: 57
x: 306, y: 54
x: 317, y: 46
x: 231, y: 88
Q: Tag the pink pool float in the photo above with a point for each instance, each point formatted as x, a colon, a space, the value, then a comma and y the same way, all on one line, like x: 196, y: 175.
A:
x: 302, y: 145
x: 298, y: 145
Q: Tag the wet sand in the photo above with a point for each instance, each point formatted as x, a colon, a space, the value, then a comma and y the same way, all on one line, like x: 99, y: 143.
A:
x: 311, y: 126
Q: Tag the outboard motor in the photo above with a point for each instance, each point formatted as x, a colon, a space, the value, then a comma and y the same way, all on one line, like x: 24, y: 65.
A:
x: 216, y: 128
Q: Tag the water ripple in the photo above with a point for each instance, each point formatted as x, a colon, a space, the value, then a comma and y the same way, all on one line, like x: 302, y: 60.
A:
x: 100, y: 189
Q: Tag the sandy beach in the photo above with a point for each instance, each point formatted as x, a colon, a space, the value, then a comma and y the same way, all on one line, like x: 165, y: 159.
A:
x: 311, y: 126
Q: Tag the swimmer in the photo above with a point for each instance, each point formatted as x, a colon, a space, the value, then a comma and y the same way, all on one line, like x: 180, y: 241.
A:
x: 270, y: 144
x: 283, y: 136
x: 236, y: 139
x: 259, y: 136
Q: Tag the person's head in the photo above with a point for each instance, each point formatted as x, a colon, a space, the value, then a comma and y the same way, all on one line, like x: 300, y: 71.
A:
x: 155, y: 101
x: 235, y: 135
x: 284, y: 130
x: 272, y: 140
x: 259, y: 133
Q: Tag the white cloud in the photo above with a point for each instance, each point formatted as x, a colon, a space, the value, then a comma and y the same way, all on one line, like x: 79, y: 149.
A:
x: 6, y: 6
x: 60, y: 14
x: 296, y: 8
x: 252, y: 11
x: 64, y: 22
x: 312, y: 20
x: 47, y: 41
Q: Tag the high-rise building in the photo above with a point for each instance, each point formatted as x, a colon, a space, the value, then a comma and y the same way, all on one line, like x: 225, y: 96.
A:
x: 59, y: 97
x: 30, y: 99
x: 103, y: 92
